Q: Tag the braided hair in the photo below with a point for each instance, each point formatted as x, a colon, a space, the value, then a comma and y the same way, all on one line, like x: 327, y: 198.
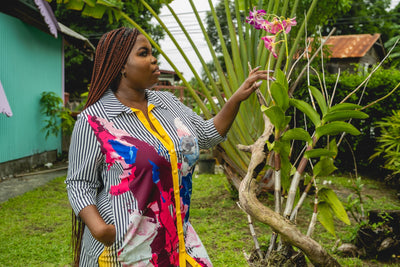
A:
x: 112, y: 53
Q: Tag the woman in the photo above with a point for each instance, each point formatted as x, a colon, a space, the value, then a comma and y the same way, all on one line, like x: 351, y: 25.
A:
x: 131, y: 160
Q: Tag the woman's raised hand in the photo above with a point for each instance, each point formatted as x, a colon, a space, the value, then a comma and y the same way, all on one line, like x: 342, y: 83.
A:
x: 251, y: 84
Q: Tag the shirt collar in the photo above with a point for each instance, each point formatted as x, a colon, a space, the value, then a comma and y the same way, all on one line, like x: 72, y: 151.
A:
x: 154, y: 98
x: 114, y: 107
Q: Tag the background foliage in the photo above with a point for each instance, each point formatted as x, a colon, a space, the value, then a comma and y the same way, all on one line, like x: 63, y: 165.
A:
x: 388, y: 145
x: 381, y: 82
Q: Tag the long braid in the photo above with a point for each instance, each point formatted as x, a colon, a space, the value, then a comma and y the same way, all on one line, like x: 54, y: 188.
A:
x: 112, y: 52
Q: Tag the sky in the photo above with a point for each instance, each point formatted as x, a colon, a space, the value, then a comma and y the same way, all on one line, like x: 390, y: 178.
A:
x: 394, y: 3
x: 185, y: 14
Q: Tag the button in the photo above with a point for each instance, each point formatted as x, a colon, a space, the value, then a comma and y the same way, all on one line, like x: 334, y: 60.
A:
x: 177, y: 191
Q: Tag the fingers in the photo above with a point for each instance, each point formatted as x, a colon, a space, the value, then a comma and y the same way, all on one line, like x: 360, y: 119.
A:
x: 254, y: 70
x: 258, y: 84
x: 256, y: 75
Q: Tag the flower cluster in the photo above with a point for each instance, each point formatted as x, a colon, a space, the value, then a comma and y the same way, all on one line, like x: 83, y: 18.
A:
x: 274, y: 27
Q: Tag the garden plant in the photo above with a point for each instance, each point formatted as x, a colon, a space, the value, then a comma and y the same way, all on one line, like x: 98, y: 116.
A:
x: 58, y: 118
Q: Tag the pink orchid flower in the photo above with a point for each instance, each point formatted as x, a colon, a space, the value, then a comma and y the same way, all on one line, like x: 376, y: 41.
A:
x: 288, y: 23
x: 255, y: 18
x: 274, y: 26
x: 269, y: 42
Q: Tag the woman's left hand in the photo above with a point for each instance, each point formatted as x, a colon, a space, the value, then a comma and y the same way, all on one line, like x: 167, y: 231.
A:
x: 251, y: 84
x: 224, y: 119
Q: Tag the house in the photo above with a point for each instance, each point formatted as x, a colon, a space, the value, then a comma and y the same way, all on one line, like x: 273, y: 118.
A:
x: 31, y: 62
x: 168, y: 81
x: 365, y: 50
x: 168, y: 78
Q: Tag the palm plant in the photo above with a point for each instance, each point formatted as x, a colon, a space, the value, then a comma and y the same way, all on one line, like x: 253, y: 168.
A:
x: 247, y: 50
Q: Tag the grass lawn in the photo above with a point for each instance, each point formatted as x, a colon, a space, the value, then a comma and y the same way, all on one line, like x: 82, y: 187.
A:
x: 35, y: 227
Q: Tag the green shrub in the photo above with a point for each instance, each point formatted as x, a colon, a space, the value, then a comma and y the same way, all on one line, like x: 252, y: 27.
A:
x: 389, y: 143
x: 380, y: 84
x: 58, y: 117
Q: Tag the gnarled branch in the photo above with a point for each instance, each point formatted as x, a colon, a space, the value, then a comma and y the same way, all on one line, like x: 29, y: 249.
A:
x: 250, y: 204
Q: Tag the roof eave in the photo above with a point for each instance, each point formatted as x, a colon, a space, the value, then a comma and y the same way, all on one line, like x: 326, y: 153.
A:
x: 39, y: 14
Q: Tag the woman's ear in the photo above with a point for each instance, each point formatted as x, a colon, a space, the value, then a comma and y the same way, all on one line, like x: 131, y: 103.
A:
x: 123, y: 72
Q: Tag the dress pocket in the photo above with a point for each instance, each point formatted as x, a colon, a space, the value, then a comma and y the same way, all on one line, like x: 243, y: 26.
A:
x: 136, y: 247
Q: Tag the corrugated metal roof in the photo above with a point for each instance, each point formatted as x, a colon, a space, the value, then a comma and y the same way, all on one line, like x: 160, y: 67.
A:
x: 176, y: 77
x: 351, y: 46
x: 48, y: 16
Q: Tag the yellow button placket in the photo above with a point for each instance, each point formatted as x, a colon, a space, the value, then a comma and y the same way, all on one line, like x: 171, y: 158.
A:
x: 162, y: 135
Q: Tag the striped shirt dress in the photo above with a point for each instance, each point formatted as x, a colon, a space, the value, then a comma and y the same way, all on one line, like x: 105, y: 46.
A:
x: 139, y: 179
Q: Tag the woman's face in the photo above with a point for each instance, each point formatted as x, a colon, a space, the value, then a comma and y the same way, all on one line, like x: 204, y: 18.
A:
x: 141, y: 67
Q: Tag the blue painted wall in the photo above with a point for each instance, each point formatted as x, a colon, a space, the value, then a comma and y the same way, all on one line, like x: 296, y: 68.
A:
x: 30, y: 63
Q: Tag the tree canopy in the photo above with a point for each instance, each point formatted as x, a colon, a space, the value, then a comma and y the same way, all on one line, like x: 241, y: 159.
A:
x: 364, y: 16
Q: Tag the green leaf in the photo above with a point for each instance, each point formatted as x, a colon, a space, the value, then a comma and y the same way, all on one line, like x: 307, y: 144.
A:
x: 110, y: 3
x: 276, y: 116
x: 325, y: 217
x: 117, y: 14
x: 75, y: 4
x: 333, y: 146
x: 307, y: 178
x: 307, y: 109
x: 318, y: 152
x: 281, y: 78
x: 297, y: 134
x: 324, y: 167
x: 282, y: 147
x: 96, y: 12
x: 90, y: 3
x: 330, y: 197
x: 242, y: 5
x: 335, y: 128
x: 344, y: 106
x: 280, y: 95
x: 320, y: 99
x: 343, y: 115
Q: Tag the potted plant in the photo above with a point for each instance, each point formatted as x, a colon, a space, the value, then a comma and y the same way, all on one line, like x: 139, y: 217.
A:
x: 206, y: 161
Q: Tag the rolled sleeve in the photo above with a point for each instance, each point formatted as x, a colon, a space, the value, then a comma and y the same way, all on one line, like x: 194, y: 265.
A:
x: 84, y: 159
